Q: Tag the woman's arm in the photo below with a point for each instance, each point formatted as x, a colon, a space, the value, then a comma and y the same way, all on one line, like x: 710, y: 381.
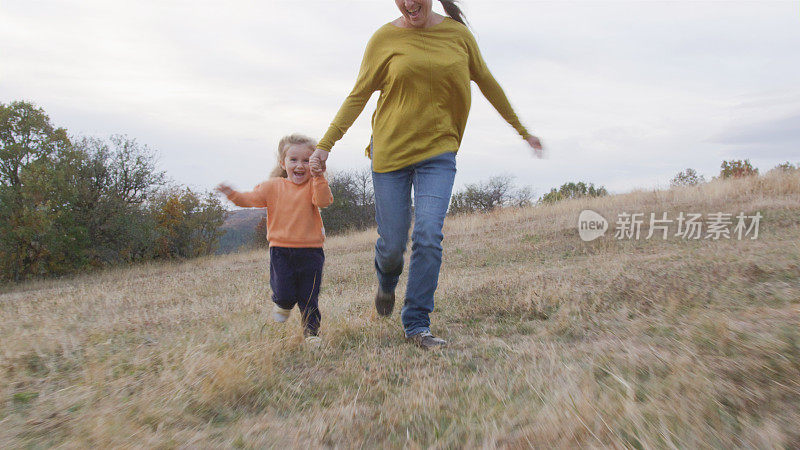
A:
x: 367, y: 82
x: 479, y: 72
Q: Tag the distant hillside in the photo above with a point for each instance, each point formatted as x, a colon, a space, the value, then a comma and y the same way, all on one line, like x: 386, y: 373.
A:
x: 239, y: 227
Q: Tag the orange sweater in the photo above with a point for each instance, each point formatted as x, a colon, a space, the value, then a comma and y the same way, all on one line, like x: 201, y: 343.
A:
x: 293, y: 218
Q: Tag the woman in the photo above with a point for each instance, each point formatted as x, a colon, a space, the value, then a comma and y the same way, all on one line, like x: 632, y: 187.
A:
x: 422, y: 63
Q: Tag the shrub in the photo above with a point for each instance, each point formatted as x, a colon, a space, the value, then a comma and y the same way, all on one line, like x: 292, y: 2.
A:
x: 260, y: 234
x: 737, y: 169
x: 786, y: 167
x: 498, y: 191
x: 186, y: 223
x: 573, y: 190
x: 353, y: 206
x: 688, y: 177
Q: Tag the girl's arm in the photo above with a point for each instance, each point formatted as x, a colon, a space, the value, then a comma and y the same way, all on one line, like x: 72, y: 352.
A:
x: 321, y: 195
x: 254, y: 199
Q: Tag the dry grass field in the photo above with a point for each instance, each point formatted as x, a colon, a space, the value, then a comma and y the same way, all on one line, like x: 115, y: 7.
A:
x: 555, y: 342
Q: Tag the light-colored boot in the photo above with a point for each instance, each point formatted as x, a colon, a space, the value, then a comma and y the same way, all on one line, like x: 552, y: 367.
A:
x: 279, y: 314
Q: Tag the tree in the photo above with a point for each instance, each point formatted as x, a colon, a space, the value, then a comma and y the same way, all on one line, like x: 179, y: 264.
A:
x: 572, y: 190
x: 498, y: 191
x: 737, y: 169
x: 26, y: 135
x: 353, y: 206
x: 70, y: 204
x: 29, y: 153
x: 186, y: 223
x: 208, y: 217
x: 116, y: 177
x: 521, y: 197
x: 688, y: 177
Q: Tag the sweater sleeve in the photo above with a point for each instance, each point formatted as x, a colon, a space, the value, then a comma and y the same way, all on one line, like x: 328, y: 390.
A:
x: 490, y: 88
x: 257, y: 198
x: 321, y: 195
x: 367, y: 82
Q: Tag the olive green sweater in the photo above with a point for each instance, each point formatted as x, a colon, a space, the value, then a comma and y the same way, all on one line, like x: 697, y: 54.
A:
x: 424, y: 78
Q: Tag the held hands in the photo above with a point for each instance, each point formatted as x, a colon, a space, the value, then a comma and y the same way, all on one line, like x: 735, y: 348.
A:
x: 316, y: 170
x: 536, y: 144
x: 317, y: 162
x: 225, y: 189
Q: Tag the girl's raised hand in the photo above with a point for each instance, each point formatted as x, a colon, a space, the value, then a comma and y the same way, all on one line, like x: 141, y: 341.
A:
x: 225, y: 189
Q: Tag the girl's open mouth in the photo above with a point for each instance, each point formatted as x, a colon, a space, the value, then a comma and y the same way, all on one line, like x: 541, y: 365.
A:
x: 298, y: 176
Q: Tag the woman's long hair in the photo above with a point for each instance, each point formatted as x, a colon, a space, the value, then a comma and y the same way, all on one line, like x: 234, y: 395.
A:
x: 453, y: 11
x: 283, y: 147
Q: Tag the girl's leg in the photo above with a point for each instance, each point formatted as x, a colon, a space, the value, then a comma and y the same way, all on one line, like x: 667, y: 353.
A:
x: 393, y: 215
x: 433, y: 184
x: 308, y: 272
x: 281, y: 277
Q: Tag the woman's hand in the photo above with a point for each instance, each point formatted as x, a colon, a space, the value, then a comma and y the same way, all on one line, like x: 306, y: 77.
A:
x: 225, y: 189
x: 536, y: 144
x: 316, y: 169
x: 317, y: 161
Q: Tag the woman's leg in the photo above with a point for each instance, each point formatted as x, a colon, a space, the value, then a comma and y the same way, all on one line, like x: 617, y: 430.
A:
x: 393, y: 215
x: 433, y: 184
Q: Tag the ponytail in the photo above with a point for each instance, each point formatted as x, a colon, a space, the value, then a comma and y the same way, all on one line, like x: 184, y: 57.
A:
x: 453, y: 11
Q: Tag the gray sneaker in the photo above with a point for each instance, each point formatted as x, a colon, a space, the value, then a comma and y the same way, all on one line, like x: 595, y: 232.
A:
x: 426, y: 340
x: 384, y: 302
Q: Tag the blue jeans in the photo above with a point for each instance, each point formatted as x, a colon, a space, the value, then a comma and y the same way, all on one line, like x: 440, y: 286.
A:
x: 432, y: 180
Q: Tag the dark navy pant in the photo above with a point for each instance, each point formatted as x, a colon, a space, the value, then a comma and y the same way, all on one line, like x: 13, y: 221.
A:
x: 295, y: 275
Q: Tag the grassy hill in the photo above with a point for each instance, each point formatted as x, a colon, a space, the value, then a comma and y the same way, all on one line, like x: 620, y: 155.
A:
x: 555, y: 342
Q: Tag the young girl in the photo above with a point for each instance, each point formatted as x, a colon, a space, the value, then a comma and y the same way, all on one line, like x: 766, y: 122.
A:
x: 292, y: 196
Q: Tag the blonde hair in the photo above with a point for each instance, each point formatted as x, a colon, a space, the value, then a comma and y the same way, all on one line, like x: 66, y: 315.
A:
x: 283, y: 147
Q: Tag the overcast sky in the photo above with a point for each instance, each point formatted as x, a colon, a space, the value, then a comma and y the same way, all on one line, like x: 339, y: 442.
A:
x: 623, y: 94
